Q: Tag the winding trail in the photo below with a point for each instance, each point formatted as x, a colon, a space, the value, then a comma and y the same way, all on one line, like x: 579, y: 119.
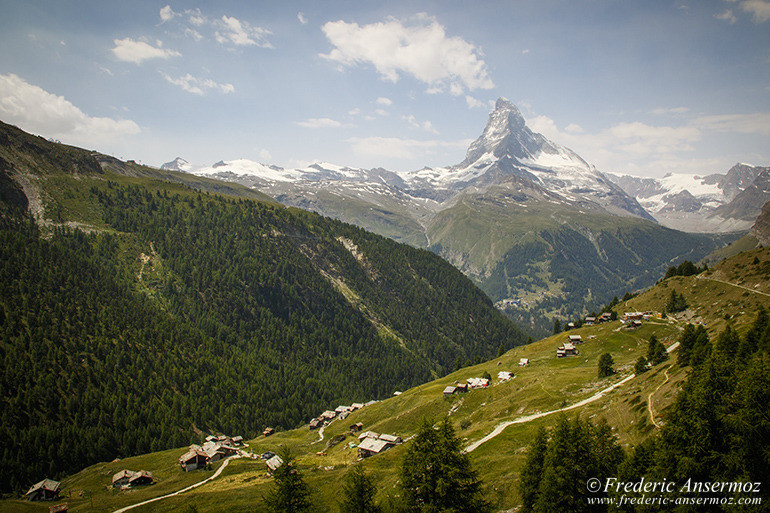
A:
x: 214, y: 476
x: 528, y: 418
x: 649, y: 400
x: 734, y: 285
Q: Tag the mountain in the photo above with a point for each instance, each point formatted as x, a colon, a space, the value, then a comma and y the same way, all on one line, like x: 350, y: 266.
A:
x: 178, y: 164
x: 761, y: 228
x: 140, y: 306
x: 636, y: 407
x: 713, y: 203
x: 539, y: 229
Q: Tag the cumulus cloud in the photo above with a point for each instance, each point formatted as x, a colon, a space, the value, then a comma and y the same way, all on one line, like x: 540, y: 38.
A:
x: 473, y: 103
x: 319, y: 123
x: 759, y: 9
x: 301, y: 17
x: 36, y: 110
x: 727, y: 16
x: 394, y: 147
x: 418, y: 47
x: 198, y: 86
x: 138, y: 51
x: 167, y: 14
x: 425, y: 125
x: 241, y: 33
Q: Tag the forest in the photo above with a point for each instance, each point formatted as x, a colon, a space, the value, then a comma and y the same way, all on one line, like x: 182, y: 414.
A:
x: 247, y: 315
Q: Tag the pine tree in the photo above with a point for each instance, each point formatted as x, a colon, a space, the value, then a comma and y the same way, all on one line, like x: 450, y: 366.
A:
x: 532, y: 473
x: 289, y: 492
x: 640, y: 366
x: 437, y: 476
x: 656, y: 351
x: 358, y: 493
x: 606, y: 365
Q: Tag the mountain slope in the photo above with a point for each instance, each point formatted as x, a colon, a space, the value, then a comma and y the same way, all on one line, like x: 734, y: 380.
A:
x: 635, y: 409
x: 183, y: 310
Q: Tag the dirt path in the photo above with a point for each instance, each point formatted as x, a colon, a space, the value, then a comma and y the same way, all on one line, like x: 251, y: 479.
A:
x: 649, y: 400
x: 214, y: 476
x: 528, y: 418
x: 734, y: 285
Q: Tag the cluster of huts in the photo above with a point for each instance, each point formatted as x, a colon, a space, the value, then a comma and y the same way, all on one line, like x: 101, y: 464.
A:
x: 370, y: 443
x: 129, y: 479
x: 213, y: 449
x: 471, y: 383
x: 340, y: 412
x: 569, y: 349
x: 633, y: 320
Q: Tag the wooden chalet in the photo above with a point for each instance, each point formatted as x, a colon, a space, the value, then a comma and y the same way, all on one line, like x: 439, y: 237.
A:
x: 392, y: 439
x: 315, y: 424
x: 523, y: 362
x: 193, y: 459
x: 45, y: 490
x: 273, y: 463
x: 371, y: 446
x: 461, y: 388
x: 358, y: 426
x: 575, y: 339
x: 268, y: 431
x: 237, y: 441
x: 568, y: 349
x: 450, y: 390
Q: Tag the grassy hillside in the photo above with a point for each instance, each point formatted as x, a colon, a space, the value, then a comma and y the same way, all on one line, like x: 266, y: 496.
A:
x: 634, y: 409
x: 137, y: 311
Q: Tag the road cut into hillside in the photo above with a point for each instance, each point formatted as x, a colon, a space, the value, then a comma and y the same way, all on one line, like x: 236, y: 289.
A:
x: 528, y: 418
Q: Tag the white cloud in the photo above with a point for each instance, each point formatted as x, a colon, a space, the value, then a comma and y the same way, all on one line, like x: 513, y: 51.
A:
x: 727, y: 16
x: 426, y: 125
x: 473, y: 103
x: 384, y: 101
x: 301, y: 17
x: 319, y: 123
x: 137, y: 51
x: 198, y: 86
x: 758, y: 123
x: 420, y: 48
x: 166, y: 14
x: 759, y: 9
x: 38, y: 111
x: 241, y: 33
x: 394, y: 147
x: 355, y: 111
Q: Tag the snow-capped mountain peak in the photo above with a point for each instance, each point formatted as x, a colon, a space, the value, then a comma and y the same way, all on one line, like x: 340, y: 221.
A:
x: 178, y: 164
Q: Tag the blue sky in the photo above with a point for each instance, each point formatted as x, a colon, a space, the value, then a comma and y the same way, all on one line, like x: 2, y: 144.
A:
x: 634, y: 87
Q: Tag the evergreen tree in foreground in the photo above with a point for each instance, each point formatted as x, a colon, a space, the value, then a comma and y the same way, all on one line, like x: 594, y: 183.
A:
x: 606, y: 365
x: 359, y: 492
x: 437, y: 476
x: 289, y: 493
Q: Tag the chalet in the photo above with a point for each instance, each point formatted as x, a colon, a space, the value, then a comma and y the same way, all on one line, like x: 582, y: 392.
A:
x: 570, y: 326
x: 342, y: 409
x: 461, y: 388
x: 344, y: 415
x: 273, y: 463
x: 368, y: 434
x: 371, y: 446
x: 356, y: 406
x: 392, y: 439
x: 141, y: 478
x: 193, y: 459
x: 633, y: 316
x: 214, y: 451
x: 328, y: 415
x: 590, y: 321
x: 268, y: 431
x: 478, y: 382
x: 315, y: 424
x: 568, y: 349
x: 211, y: 438
x: 575, y: 339
x: 45, y: 490
x: 504, y: 375
x: 358, y: 426
x: 605, y: 317
x: 523, y: 362
x: 120, y: 479
x: 450, y: 390
x: 237, y: 441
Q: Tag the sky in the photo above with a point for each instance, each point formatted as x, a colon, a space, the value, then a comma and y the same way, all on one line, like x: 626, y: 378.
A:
x: 637, y: 87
